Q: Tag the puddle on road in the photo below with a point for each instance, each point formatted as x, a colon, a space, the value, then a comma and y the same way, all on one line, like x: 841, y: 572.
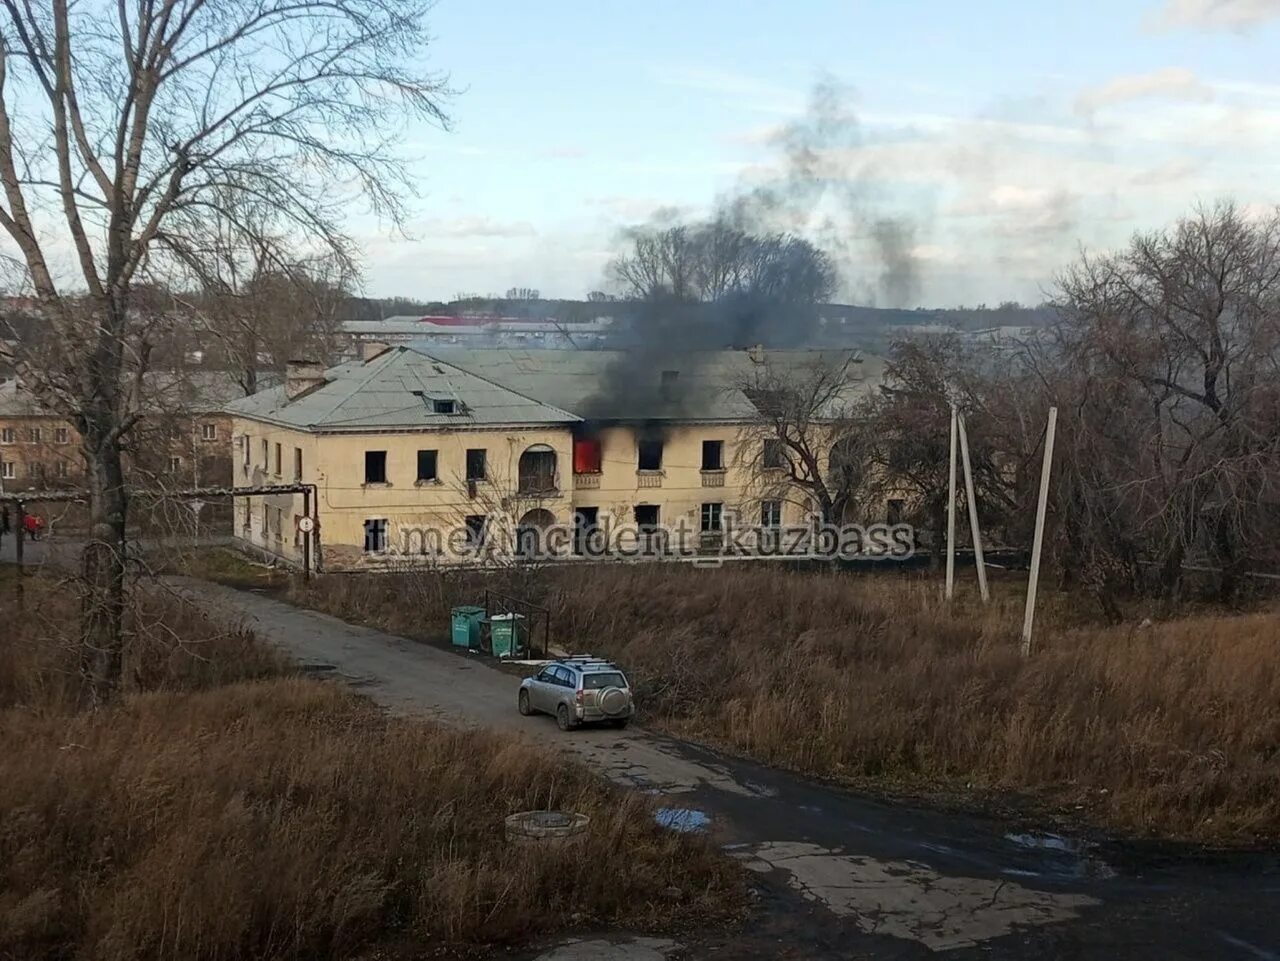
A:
x: 1067, y: 858
x: 684, y: 820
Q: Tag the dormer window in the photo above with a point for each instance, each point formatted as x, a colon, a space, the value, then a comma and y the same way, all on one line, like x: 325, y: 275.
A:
x: 444, y: 406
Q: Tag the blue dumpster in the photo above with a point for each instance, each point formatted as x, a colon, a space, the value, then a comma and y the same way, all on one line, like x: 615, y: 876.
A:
x: 466, y: 626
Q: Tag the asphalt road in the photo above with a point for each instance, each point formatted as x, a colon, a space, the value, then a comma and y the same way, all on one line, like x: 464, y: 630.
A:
x: 839, y: 876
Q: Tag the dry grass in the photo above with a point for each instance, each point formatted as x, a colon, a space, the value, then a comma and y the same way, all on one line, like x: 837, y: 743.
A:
x: 1169, y: 730
x: 212, y: 818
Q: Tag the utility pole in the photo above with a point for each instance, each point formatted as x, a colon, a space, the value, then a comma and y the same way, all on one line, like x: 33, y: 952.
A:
x: 978, y: 560
x: 1038, y: 542
x: 951, y: 509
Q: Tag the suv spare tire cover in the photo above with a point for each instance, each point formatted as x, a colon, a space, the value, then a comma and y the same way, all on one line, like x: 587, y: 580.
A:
x: 613, y: 701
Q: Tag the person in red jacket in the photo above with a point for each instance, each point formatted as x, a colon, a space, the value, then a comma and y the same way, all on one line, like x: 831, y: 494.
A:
x: 34, y: 524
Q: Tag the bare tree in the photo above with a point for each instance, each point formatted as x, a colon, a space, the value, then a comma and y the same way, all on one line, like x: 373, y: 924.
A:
x: 1170, y: 356
x: 808, y: 444
x: 122, y: 127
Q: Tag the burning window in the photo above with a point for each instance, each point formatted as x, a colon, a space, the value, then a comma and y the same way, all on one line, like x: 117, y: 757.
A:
x: 586, y: 455
x: 650, y: 455
x: 375, y: 467
x: 713, y: 455
x: 477, y: 468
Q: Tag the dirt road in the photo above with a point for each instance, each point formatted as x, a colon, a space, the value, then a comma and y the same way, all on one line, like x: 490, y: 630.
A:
x: 840, y: 876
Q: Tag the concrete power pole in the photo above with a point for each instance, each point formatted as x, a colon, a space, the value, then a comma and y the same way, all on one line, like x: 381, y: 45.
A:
x: 951, y: 509
x: 1029, y: 617
x: 978, y: 561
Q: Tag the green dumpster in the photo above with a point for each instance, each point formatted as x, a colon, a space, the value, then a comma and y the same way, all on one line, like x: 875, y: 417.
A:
x: 504, y: 635
x: 466, y: 626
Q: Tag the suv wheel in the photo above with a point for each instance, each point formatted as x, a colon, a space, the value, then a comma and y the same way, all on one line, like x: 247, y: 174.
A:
x: 563, y: 719
x: 523, y: 702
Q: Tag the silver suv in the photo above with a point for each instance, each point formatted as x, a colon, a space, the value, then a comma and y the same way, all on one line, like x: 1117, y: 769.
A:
x: 579, y: 690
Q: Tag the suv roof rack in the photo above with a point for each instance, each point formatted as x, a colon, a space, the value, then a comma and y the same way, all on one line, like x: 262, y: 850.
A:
x: 585, y: 659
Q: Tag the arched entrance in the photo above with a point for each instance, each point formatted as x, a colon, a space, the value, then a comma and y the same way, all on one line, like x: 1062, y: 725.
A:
x: 531, y: 532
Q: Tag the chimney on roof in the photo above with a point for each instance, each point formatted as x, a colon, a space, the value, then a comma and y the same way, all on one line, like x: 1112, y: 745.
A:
x: 373, y: 348
x: 301, y: 376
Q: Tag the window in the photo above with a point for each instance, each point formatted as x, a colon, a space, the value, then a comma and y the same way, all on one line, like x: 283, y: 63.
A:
x: 279, y: 458
x: 265, y: 453
x: 208, y: 431
x: 650, y: 455
x: 297, y: 463
x: 7, y: 435
x: 7, y: 470
x: 773, y: 457
x: 375, y: 467
x: 713, y: 455
x: 33, y: 435
x: 476, y: 467
x: 245, y: 520
x: 266, y: 521
x: 770, y: 513
x: 711, y: 517
x: 599, y: 680
x: 586, y: 455
x: 427, y: 465
x: 175, y: 464
x: 375, y: 536
x: 647, y: 518
x: 62, y: 469
x: 444, y: 406
x: 61, y: 435
x: 246, y: 440
x: 475, y: 530
x: 897, y: 508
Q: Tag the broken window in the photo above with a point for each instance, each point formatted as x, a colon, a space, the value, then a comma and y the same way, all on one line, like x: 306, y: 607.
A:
x: 770, y: 513
x: 773, y: 457
x: 375, y: 536
x: 650, y: 455
x: 897, y: 507
x: 712, y: 517
x: 475, y: 530
x: 375, y: 467
x: 586, y: 455
x: 427, y: 461
x: 537, y: 470
x: 713, y: 455
x: 585, y: 520
x: 476, y: 464
x: 647, y: 518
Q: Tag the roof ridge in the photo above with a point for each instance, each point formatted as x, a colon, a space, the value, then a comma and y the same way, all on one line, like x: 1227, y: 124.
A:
x: 385, y: 357
x: 500, y: 386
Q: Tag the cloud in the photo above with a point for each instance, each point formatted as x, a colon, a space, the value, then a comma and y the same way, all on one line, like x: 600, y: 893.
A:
x: 1171, y: 83
x: 477, y: 227
x: 563, y: 153
x: 1238, y: 15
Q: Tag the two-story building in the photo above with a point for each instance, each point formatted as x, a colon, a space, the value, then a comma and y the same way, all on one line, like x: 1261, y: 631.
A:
x: 440, y: 455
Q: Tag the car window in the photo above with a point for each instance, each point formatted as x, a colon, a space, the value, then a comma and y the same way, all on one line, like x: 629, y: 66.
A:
x: 546, y: 676
x: 564, y: 677
x: 601, y: 679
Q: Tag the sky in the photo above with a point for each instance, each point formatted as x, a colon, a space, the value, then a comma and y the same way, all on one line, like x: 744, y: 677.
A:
x: 1003, y: 137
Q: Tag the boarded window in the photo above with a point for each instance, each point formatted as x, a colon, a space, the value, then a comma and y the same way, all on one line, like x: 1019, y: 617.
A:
x: 375, y: 467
